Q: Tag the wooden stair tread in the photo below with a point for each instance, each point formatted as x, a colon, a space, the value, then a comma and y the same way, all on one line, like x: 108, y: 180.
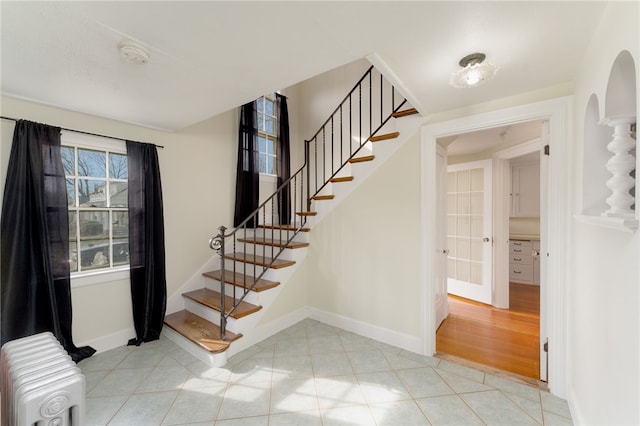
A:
x: 259, y: 260
x: 361, y: 159
x: 200, y: 331
x: 240, y: 280
x: 404, y: 113
x: 285, y: 227
x: 386, y: 136
x: 342, y: 179
x: 323, y: 197
x: 212, y: 299
x: 306, y: 213
x: 274, y: 242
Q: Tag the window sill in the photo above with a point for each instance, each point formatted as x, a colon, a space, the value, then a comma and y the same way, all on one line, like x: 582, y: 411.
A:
x: 84, y: 279
x: 617, y: 223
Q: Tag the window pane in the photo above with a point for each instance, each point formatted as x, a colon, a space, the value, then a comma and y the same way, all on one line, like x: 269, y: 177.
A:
x: 260, y: 104
x: 119, y: 194
x: 268, y: 104
x: 260, y: 122
x: 92, y: 163
x: 118, y: 166
x: 73, y: 226
x: 262, y: 144
x: 271, y: 147
x: 270, y: 166
x: 94, y: 225
x: 94, y: 254
x: 73, y: 256
x: 120, y: 223
x: 268, y: 125
x: 68, y: 160
x: 120, y: 251
x: 262, y: 164
x: 71, y: 192
x: 92, y: 193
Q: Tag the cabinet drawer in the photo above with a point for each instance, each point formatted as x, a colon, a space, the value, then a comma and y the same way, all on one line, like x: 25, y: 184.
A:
x: 522, y: 273
x: 520, y: 243
x: 517, y: 259
x: 520, y: 251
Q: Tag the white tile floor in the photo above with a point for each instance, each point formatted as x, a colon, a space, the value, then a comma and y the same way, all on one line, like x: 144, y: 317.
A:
x: 308, y: 374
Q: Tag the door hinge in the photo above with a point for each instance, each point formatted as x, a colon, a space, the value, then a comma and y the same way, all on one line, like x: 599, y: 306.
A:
x: 546, y: 346
x: 547, y: 148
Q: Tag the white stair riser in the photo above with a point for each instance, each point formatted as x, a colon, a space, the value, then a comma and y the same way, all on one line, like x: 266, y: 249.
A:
x: 209, y: 314
x: 233, y: 325
x: 287, y: 255
x: 252, y: 297
x: 278, y: 234
x: 214, y: 360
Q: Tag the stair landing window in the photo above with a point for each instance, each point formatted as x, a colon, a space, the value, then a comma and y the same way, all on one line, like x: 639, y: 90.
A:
x: 267, y: 134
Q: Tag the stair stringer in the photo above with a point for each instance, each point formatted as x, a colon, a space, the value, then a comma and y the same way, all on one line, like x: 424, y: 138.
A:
x: 382, y: 150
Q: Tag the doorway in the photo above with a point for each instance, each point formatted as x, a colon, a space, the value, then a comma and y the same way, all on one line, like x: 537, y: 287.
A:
x: 483, y: 295
x: 556, y: 113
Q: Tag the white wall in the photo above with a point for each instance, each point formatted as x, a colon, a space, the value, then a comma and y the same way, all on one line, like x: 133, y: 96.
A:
x: 198, y: 176
x: 364, y: 259
x: 604, y: 323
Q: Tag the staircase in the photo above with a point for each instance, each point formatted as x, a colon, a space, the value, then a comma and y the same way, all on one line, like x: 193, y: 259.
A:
x: 255, y: 261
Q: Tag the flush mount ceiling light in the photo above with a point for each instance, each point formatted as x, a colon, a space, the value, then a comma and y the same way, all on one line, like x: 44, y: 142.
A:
x: 133, y: 52
x: 474, y: 71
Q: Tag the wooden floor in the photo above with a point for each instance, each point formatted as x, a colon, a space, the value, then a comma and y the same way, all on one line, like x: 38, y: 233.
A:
x: 498, y: 338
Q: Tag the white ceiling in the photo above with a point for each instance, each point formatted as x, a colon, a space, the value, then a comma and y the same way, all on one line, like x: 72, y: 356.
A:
x: 208, y: 56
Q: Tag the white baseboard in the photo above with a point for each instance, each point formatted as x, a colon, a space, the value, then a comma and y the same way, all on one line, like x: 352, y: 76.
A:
x: 262, y: 332
x: 576, y: 414
x: 381, y: 334
x: 110, y: 341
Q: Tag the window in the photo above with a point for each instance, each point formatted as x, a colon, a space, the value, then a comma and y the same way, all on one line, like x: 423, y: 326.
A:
x: 97, y: 183
x: 267, y: 134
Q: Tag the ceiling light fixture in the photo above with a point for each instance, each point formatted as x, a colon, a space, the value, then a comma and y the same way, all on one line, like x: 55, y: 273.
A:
x: 474, y: 71
x: 133, y: 52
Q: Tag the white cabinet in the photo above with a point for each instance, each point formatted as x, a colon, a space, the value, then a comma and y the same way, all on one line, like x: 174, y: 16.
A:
x: 524, y: 261
x: 525, y: 189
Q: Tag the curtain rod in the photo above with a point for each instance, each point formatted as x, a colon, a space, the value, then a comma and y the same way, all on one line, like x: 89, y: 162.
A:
x: 83, y: 132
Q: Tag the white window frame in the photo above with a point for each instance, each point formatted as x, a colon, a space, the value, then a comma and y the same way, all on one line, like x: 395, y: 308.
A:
x: 269, y: 136
x: 84, y: 141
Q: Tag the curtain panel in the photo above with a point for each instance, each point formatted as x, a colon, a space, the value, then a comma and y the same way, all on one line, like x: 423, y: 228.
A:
x: 284, y: 160
x: 146, y: 242
x: 35, y: 287
x: 247, y: 173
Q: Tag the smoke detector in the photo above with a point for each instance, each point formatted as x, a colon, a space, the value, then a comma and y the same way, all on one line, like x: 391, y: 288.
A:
x: 133, y: 52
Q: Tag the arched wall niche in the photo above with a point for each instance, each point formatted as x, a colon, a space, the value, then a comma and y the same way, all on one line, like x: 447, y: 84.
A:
x: 595, y: 155
x: 609, y: 150
x: 621, y: 88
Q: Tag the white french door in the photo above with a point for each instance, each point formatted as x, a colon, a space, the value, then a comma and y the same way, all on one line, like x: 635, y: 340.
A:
x: 469, y: 230
x: 440, y: 266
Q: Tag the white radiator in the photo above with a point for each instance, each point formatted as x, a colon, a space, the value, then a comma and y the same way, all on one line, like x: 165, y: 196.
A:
x: 41, y: 385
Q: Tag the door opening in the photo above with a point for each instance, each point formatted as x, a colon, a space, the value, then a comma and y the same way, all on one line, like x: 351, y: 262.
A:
x: 514, y: 152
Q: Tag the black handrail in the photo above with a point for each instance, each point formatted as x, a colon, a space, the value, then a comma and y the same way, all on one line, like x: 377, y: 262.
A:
x: 301, y: 190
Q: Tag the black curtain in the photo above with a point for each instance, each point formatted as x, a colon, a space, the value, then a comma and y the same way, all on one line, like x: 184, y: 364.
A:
x: 146, y: 242
x: 284, y: 160
x: 247, y: 173
x: 35, y: 284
